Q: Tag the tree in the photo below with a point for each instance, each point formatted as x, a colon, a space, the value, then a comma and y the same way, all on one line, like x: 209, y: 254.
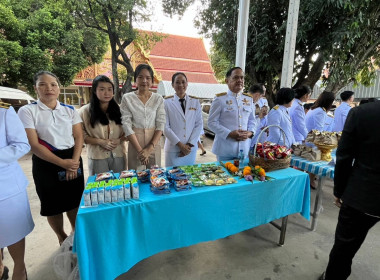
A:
x: 41, y: 35
x: 327, y: 32
x: 116, y: 19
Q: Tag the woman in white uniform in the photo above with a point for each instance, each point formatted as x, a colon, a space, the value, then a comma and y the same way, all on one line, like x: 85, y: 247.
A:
x: 316, y: 116
x: 183, y: 124
x: 279, y: 116
x: 15, y: 218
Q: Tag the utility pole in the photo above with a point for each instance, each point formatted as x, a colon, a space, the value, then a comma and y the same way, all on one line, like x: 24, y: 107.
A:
x: 242, y: 31
x: 290, y: 44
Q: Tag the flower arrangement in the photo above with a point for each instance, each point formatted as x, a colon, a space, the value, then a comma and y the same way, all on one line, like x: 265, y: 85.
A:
x: 257, y: 172
x: 231, y: 168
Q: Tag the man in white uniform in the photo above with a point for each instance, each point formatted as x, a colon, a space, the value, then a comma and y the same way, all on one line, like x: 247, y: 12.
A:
x: 232, y: 118
x: 341, y: 112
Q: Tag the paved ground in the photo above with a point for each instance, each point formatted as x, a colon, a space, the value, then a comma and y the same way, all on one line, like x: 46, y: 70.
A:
x: 252, y: 254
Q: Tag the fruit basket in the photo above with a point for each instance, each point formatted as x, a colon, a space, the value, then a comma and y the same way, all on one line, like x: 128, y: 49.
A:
x: 270, y: 156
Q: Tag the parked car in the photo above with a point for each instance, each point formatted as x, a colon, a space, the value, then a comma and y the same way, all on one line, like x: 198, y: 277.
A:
x: 205, y: 113
x: 15, y: 97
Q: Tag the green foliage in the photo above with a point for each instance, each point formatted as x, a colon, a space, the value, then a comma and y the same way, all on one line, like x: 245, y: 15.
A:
x: 343, y: 34
x: 115, y: 19
x: 220, y: 64
x: 172, y: 7
x: 42, y: 35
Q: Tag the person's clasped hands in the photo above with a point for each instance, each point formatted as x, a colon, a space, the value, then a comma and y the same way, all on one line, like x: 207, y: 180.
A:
x: 71, y: 166
x: 144, y: 154
x: 185, y: 149
x: 109, y: 144
x: 240, y: 135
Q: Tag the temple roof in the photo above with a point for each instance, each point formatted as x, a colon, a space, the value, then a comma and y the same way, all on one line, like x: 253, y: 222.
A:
x: 182, y: 54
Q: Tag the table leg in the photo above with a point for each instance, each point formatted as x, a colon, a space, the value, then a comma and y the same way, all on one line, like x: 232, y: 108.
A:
x: 282, y: 228
x: 317, y: 203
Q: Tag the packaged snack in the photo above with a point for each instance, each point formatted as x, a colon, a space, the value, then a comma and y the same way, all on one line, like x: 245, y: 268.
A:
x: 156, y: 171
x: 127, y: 174
x: 143, y: 176
x: 158, y: 182
x: 104, y: 176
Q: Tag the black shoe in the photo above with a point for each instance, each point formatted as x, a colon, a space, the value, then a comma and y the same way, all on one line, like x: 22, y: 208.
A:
x: 5, y: 274
x: 202, y: 154
x: 323, y: 276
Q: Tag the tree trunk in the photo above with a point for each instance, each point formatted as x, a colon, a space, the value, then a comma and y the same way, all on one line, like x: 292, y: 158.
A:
x: 315, y: 71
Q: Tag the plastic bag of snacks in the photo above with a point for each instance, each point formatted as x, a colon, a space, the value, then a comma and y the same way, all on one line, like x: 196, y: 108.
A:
x: 104, y: 176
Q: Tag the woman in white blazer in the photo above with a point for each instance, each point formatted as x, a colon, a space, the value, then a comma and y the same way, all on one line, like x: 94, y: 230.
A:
x: 183, y: 124
x: 16, y: 221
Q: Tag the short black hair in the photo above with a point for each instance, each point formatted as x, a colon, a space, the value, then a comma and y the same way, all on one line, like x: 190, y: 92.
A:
x: 284, y: 96
x: 345, y: 95
x: 176, y: 74
x: 324, y: 100
x: 301, y: 91
x: 141, y: 67
x: 256, y: 88
x: 229, y: 72
x: 44, y: 72
x: 307, y: 106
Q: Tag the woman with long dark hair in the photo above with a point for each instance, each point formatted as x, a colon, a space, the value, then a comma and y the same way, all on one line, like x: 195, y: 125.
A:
x: 316, y: 116
x: 102, y: 129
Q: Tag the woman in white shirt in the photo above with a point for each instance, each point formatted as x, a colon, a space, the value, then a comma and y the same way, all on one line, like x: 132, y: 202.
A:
x: 102, y: 129
x: 55, y: 134
x: 316, y: 116
x: 143, y: 119
x: 183, y: 124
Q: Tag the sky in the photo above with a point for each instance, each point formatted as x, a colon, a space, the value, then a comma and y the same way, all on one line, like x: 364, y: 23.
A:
x: 178, y: 26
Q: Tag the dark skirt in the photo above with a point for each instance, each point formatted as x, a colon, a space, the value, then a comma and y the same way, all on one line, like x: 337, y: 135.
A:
x: 56, y: 196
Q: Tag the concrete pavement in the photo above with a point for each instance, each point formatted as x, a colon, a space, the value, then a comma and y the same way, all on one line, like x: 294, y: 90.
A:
x: 252, y: 254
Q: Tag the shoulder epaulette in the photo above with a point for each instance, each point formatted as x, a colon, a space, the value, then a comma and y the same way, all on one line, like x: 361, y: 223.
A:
x: 330, y: 115
x: 300, y: 103
x: 247, y: 94
x: 220, y: 94
x: 4, y: 105
x: 324, y: 109
x: 276, y: 107
x: 170, y: 96
x: 193, y: 97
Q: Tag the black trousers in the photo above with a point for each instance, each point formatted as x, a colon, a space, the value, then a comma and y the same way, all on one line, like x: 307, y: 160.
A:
x: 350, y: 234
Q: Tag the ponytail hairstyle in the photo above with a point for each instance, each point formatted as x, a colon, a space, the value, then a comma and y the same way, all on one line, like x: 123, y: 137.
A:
x: 96, y: 114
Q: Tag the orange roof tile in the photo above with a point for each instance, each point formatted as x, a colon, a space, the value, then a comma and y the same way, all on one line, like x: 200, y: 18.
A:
x: 180, y: 46
x: 182, y: 54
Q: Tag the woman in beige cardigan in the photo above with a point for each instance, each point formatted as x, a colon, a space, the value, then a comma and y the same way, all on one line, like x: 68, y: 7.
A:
x: 143, y: 118
x: 102, y: 129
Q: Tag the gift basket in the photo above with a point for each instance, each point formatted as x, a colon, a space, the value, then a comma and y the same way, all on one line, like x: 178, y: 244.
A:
x: 270, y: 156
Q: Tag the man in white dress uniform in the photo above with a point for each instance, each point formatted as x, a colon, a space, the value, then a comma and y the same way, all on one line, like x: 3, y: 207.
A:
x: 232, y: 118
x: 183, y: 124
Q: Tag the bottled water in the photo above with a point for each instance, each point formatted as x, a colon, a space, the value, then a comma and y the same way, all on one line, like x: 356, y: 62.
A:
x: 241, y: 159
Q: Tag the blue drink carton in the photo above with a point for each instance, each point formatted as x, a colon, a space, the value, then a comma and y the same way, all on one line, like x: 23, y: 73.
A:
x: 101, y: 195
x: 87, y: 196
x: 94, y: 196
x: 107, y: 194
x: 135, y: 192
x: 127, y: 188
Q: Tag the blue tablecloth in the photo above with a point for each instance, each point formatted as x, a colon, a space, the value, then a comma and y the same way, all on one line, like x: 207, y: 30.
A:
x: 319, y: 168
x: 111, y: 238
